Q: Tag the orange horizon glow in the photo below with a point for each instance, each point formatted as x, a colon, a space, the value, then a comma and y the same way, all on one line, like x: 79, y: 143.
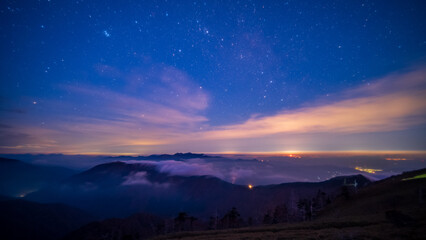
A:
x: 390, y: 104
x: 291, y: 154
x: 356, y: 152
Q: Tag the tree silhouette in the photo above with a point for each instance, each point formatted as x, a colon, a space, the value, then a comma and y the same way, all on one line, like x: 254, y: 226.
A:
x: 212, y: 223
x: 231, y: 219
x: 280, y: 214
x: 267, y: 219
x: 319, y: 201
x: 180, y: 221
x: 184, y: 222
x: 191, y: 222
x: 305, y: 208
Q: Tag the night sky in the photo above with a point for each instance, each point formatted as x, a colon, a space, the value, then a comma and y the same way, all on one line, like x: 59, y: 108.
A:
x: 117, y: 77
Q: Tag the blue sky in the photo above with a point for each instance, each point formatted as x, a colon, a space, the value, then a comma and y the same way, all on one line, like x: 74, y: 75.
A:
x: 212, y: 76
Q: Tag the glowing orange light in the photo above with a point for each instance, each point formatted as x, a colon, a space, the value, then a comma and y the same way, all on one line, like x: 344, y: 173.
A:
x: 250, y: 186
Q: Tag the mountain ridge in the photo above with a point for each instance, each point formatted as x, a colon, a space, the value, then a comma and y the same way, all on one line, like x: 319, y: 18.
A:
x: 18, y: 178
x: 176, y: 156
x: 139, y: 187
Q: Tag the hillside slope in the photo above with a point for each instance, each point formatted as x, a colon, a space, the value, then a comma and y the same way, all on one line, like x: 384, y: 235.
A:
x: 393, y: 208
x: 119, y: 189
x: 18, y: 178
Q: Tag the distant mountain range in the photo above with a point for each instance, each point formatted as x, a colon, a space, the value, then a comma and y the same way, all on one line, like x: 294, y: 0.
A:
x: 18, y: 178
x: 176, y: 156
x: 119, y: 189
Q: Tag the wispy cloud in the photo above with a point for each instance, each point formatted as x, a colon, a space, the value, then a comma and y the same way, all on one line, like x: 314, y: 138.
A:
x: 140, y: 178
x: 393, y: 103
x: 137, y: 178
x: 152, y: 107
x: 187, y: 168
x: 161, y: 109
x: 191, y: 167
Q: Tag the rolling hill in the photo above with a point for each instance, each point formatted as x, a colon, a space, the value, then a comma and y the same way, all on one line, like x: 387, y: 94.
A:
x: 120, y: 189
x: 393, y: 208
x: 18, y: 178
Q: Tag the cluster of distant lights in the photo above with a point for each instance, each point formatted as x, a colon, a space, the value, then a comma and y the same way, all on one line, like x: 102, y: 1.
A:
x: 396, y: 159
x: 261, y: 160
x: 368, y: 170
x: 289, y: 155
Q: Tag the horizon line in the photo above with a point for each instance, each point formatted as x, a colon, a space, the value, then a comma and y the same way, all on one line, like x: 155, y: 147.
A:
x: 368, y: 152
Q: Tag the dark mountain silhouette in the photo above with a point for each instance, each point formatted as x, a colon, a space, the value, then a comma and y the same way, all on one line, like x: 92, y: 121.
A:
x: 176, y: 156
x: 5, y: 198
x: 401, y: 193
x: 119, y: 189
x: 20, y: 219
x: 393, y: 208
x: 18, y: 178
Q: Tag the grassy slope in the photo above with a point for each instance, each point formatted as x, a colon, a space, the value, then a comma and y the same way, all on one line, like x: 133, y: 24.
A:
x: 363, y: 216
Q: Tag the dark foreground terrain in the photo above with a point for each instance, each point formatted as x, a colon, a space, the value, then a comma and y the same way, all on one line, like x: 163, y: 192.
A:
x: 136, y: 201
x: 21, y: 219
x: 393, y: 208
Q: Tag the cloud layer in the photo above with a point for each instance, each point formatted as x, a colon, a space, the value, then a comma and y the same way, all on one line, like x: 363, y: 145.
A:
x: 162, y: 109
x: 393, y: 103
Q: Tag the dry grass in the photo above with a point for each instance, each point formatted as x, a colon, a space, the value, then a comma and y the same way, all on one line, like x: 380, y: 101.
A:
x: 362, y: 217
x: 310, y: 230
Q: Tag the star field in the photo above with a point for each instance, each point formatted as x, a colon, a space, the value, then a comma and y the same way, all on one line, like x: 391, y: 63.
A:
x: 173, y: 68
